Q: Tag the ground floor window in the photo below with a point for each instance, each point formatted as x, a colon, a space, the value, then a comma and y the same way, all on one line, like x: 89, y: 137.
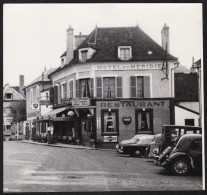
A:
x: 144, y: 121
x: 189, y: 122
x: 109, y: 121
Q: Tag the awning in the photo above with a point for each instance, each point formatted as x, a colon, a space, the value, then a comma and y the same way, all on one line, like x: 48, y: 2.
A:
x: 53, y: 113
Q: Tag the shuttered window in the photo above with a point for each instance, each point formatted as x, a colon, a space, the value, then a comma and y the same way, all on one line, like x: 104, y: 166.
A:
x: 140, y: 86
x: 85, y: 88
x: 109, y: 87
x: 71, y: 89
x: 77, y: 88
x: 99, y: 87
x: 92, y: 87
x: 51, y: 97
x: 56, y: 95
x: 119, y: 87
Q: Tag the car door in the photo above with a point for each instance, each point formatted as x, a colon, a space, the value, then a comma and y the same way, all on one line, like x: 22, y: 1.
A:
x: 195, y: 151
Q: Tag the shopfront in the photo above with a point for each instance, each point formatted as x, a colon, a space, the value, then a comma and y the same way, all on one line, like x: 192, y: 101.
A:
x: 122, y: 119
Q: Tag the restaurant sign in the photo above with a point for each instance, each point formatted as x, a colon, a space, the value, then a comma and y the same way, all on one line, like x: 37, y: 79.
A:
x: 81, y: 102
x: 44, y: 102
x: 110, y: 138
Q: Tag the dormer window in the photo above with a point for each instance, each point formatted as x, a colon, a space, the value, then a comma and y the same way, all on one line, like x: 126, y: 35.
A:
x: 125, y: 52
x: 84, y: 55
x: 8, y: 96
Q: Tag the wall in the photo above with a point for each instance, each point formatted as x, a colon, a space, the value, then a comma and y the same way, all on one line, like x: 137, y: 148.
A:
x: 191, y: 105
x: 161, y: 115
x: 181, y: 115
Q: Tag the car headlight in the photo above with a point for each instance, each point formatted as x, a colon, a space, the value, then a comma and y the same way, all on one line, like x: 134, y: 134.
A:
x: 117, y: 146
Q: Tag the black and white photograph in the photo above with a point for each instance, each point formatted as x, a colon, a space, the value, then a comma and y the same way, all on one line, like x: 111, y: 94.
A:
x: 103, y: 97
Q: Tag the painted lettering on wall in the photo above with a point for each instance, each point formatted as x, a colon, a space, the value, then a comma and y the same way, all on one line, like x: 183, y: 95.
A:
x: 132, y: 104
x: 130, y: 67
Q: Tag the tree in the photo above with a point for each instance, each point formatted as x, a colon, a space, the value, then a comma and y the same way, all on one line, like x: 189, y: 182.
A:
x: 19, y: 111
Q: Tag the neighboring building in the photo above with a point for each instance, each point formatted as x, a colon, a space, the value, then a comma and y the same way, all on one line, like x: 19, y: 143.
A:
x: 14, y: 110
x: 35, y: 93
x: 118, y: 82
x: 186, y: 99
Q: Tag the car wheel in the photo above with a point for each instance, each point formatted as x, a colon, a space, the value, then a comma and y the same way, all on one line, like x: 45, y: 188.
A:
x: 180, y: 166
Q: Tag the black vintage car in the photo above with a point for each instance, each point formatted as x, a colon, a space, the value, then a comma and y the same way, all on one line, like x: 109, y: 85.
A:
x: 185, y: 156
x: 139, y: 147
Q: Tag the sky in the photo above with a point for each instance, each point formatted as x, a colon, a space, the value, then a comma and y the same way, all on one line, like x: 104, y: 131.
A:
x: 34, y: 35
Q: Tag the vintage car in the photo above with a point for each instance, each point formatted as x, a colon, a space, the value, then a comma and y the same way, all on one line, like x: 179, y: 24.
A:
x: 153, y: 148
x: 185, y: 156
x: 139, y: 147
x: 119, y: 147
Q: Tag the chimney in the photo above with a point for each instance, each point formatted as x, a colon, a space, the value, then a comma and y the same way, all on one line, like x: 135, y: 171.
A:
x: 165, y: 38
x: 21, y: 84
x: 70, y: 45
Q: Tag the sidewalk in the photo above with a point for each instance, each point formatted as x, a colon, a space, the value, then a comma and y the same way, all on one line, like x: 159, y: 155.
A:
x: 62, y: 145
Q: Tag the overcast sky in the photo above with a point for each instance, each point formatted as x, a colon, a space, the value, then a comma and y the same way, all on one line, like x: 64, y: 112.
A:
x: 34, y: 35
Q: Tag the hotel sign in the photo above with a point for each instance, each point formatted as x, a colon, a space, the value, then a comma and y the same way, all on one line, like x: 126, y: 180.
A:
x: 130, y: 67
x: 81, y: 102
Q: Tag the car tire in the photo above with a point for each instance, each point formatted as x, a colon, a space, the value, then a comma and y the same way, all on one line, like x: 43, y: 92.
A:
x: 180, y: 166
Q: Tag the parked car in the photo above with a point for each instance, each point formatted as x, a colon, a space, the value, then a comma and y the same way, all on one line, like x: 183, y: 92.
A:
x: 153, y: 148
x: 119, y: 147
x: 139, y: 147
x: 185, y: 156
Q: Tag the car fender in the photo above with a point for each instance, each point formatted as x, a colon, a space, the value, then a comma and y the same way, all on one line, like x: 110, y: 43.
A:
x: 181, y: 154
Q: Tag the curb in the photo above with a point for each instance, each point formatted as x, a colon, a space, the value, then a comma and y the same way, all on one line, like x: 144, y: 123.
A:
x: 68, y: 146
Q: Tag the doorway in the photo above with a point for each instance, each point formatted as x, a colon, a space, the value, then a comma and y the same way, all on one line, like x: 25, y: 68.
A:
x: 86, y: 131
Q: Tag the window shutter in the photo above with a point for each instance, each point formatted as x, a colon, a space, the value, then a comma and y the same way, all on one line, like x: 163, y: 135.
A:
x: 119, y: 87
x: 55, y: 94
x: 92, y: 87
x: 99, y: 87
x: 146, y: 87
x: 133, y: 86
x: 77, y: 88
x: 51, y: 98
x: 65, y: 91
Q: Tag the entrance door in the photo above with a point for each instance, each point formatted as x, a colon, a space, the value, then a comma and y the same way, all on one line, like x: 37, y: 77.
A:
x: 86, y: 131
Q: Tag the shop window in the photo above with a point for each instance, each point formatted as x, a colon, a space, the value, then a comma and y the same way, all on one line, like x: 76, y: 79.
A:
x: 85, y: 88
x: 8, y: 96
x: 109, y: 122
x: 109, y: 87
x: 144, y: 121
x: 124, y: 52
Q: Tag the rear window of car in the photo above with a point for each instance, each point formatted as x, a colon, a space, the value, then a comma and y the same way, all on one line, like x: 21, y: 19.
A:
x: 145, y: 140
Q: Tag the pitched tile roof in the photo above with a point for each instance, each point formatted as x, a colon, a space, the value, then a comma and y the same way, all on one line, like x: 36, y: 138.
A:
x: 41, y: 78
x: 107, y: 40
x: 186, y: 87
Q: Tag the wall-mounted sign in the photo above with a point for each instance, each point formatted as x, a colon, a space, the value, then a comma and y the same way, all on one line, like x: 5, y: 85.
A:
x: 98, y: 123
x: 44, y: 102
x: 127, y: 119
x: 35, y: 106
x: 110, y: 138
x: 81, y: 102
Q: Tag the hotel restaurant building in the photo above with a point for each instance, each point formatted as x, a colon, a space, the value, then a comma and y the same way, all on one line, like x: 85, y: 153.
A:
x: 111, y: 85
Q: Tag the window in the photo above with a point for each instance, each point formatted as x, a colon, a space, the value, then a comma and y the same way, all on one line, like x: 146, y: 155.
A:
x: 144, y: 122
x: 63, y: 91
x: 109, y: 122
x: 196, y: 145
x: 84, y: 55
x: 109, y: 87
x: 8, y: 96
x: 85, y: 88
x: 189, y: 122
x: 140, y: 87
x: 71, y: 89
x: 124, y: 52
x: 31, y: 96
x: 8, y: 111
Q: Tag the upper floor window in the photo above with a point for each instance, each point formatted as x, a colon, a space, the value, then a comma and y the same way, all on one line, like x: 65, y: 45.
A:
x: 84, y: 55
x: 140, y: 86
x: 8, y: 111
x: 63, y: 91
x: 8, y: 96
x: 85, y: 88
x: 31, y: 96
x: 109, y: 87
x: 125, y: 52
x: 71, y: 89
